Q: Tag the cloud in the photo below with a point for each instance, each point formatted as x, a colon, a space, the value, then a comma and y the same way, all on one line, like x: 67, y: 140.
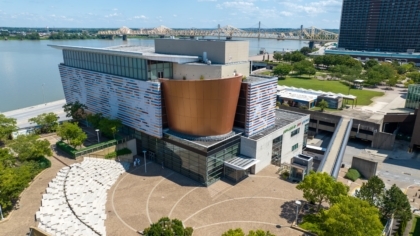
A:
x: 248, y: 8
x: 175, y: 15
x: 112, y: 15
x: 314, y: 7
x: 140, y: 17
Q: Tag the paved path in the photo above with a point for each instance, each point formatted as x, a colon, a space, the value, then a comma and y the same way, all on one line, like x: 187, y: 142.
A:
x: 336, y: 146
x: 23, y: 115
x: 261, y: 201
x: 20, y: 220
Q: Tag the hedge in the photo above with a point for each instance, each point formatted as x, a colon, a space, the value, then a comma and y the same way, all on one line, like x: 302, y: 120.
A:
x: 352, y: 174
x: 120, y: 152
x: 44, y: 163
x: 65, y: 147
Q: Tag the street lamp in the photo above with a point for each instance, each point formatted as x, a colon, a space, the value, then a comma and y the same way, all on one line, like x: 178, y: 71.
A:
x: 145, y: 169
x: 97, y: 133
x: 298, y: 203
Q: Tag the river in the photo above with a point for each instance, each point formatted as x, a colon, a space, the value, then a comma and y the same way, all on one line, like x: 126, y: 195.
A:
x: 29, y: 69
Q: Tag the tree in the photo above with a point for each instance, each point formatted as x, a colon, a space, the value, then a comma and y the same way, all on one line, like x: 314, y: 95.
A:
x: 321, y: 187
x: 72, y: 133
x: 168, y: 227
x: 109, y: 127
x: 372, y: 191
x: 29, y: 147
x: 305, y: 50
x: 7, y: 127
x: 392, y: 81
x: 76, y: 110
x: 277, y: 56
x: 297, y: 56
x: 48, y: 122
x: 395, y: 203
x: 287, y: 56
x: 240, y: 232
x: 351, y: 217
x: 371, y: 63
x: 415, y: 76
x: 301, y: 67
x: 282, y: 70
x: 323, y: 104
x: 94, y: 119
x: 6, y: 159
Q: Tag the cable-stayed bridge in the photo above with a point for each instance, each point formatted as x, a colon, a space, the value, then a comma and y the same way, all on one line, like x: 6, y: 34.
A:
x: 229, y: 32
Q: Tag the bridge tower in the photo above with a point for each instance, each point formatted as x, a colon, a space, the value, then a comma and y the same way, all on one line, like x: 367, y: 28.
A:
x: 259, y: 29
x: 218, y: 29
x: 301, y: 32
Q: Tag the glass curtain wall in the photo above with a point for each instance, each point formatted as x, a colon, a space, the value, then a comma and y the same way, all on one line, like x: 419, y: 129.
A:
x: 276, y: 151
x: 159, y: 69
x: 413, y: 97
x: 130, y: 67
x: 205, y: 170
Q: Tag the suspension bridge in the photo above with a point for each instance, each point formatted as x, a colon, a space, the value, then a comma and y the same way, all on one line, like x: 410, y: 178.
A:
x: 228, y: 32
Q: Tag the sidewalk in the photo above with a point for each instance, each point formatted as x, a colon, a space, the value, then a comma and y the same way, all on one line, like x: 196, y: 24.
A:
x: 20, y: 220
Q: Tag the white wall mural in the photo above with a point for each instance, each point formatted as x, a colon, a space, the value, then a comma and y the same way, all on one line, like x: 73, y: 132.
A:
x: 136, y: 103
x: 261, y: 102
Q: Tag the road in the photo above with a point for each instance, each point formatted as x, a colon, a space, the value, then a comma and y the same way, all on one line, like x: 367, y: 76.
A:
x: 23, y: 115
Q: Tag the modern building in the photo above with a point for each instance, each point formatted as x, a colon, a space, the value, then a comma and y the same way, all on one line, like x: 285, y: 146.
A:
x: 413, y: 96
x: 188, y: 104
x: 380, y: 25
x: 379, y: 56
x: 308, y: 98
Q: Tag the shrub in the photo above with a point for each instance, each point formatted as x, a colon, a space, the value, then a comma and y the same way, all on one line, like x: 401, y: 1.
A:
x: 65, y: 147
x: 120, y: 152
x: 352, y: 175
x: 43, y: 162
x: 285, y: 175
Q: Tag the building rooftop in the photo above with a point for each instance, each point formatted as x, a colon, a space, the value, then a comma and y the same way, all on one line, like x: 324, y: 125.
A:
x: 254, y: 79
x: 199, y: 143
x: 283, y: 118
x: 307, y: 92
x: 373, y: 54
x: 136, y: 51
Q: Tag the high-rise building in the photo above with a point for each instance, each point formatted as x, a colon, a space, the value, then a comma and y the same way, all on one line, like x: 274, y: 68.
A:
x: 188, y: 104
x: 380, y: 25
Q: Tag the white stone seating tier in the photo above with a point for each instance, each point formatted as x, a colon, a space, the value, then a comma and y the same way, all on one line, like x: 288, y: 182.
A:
x: 74, y: 201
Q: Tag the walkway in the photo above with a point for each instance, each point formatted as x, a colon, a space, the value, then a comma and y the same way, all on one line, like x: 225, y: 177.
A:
x: 20, y: 220
x: 23, y: 115
x: 335, y: 147
x: 260, y: 201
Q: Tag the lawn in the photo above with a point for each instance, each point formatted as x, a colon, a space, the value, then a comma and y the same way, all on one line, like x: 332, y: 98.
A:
x: 415, y: 228
x: 363, y: 96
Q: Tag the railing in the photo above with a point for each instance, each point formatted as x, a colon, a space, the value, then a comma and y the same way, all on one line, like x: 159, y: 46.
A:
x: 96, y: 147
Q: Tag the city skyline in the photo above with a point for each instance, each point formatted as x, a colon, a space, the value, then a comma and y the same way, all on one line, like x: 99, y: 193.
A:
x: 173, y: 14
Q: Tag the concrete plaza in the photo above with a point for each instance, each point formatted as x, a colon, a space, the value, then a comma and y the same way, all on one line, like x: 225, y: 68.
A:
x: 261, y: 201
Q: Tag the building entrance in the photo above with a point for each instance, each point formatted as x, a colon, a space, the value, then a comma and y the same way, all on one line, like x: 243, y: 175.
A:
x: 239, y: 168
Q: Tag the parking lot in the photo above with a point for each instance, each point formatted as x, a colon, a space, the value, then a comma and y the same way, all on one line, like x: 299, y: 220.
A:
x: 261, y: 201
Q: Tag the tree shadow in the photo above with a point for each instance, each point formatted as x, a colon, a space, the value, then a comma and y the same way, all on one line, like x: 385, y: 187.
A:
x: 288, y: 211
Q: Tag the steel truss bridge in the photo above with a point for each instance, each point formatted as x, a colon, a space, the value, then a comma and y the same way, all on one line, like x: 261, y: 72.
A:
x: 228, y: 31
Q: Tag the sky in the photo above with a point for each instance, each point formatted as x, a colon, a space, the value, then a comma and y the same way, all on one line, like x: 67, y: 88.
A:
x: 137, y: 14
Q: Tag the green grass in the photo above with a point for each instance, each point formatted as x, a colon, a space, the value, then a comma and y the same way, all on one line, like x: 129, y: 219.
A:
x: 415, y: 228
x: 363, y: 96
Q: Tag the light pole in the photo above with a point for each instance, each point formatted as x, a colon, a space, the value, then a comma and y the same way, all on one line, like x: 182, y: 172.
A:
x: 97, y: 133
x: 145, y: 169
x: 43, y: 94
x: 297, y: 209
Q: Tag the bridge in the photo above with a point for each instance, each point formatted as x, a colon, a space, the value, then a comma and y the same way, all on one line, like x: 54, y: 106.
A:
x: 311, y: 33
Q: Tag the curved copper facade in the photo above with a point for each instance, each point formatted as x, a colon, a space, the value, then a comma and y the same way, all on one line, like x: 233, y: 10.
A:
x: 201, y: 107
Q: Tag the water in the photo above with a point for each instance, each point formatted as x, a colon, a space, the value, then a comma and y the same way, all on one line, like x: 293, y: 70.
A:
x: 29, y: 69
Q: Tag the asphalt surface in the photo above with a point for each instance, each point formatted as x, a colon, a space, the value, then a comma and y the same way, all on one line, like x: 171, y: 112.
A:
x: 23, y: 115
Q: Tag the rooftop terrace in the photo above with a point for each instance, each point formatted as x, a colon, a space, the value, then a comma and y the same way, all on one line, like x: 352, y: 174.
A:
x: 283, y: 118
